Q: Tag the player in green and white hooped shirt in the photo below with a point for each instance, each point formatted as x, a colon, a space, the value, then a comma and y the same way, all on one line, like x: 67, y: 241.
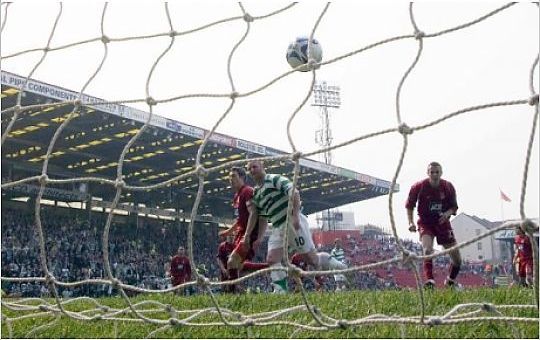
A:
x: 270, y: 199
x: 338, y: 253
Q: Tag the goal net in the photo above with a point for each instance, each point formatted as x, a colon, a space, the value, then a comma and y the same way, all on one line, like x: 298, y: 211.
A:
x: 234, y: 93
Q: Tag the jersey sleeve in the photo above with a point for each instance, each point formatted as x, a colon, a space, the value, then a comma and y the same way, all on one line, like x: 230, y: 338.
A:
x: 413, y: 196
x: 452, y: 199
x: 246, y: 196
x: 282, y: 184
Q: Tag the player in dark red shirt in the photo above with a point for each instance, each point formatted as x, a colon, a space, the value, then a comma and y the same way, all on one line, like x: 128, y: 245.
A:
x: 180, y: 269
x: 241, y: 255
x: 300, y: 261
x: 436, y: 203
x: 523, y: 257
x: 224, y: 251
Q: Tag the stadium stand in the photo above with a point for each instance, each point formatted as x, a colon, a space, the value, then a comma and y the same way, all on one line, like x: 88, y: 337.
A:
x: 74, y: 215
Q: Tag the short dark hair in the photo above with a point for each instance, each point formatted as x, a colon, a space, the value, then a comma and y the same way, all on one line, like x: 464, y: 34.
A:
x: 240, y: 171
x: 435, y: 164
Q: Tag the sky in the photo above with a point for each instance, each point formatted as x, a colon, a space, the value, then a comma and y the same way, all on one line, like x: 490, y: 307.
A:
x: 482, y: 152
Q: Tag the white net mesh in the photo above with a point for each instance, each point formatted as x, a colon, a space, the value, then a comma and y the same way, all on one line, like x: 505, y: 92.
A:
x: 144, y: 311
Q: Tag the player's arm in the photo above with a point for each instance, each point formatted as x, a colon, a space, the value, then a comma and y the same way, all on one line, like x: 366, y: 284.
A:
x: 411, y: 203
x: 252, y: 221
x: 410, y: 218
x: 445, y: 216
x: 229, y: 230
x: 263, y: 224
x: 222, y: 267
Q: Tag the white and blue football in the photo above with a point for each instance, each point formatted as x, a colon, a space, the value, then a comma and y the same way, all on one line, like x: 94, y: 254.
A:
x: 297, y: 53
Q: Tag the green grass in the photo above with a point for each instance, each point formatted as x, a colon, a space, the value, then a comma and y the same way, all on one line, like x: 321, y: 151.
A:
x: 344, y: 305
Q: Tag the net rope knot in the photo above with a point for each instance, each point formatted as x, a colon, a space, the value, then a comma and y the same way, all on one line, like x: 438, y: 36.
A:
x: 296, y: 155
x: 119, y: 184
x: 408, y: 258
x: 404, y: 129
x: 173, y: 33
x: 343, y: 324
x: 249, y: 322
x: 17, y: 109
x: 203, y: 281
x: 46, y: 49
x: 533, y: 100
x: 434, y: 321
x: 43, y: 308
x: 43, y: 179
x: 201, y: 171
x: 115, y: 283
x: 151, y: 101
x: 49, y: 279
x: 248, y: 18
x: 419, y: 35
x: 234, y: 95
x: 488, y: 307
x: 529, y: 226
x: 174, y: 322
x: 312, y: 64
x: 294, y: 272
x: 105, y: 309
x: 105, y: 39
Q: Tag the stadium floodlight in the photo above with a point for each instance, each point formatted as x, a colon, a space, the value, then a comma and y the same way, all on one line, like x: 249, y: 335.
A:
x: 326, y: 95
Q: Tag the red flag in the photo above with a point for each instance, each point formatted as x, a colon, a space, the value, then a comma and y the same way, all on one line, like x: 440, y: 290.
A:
x: 504, y: 197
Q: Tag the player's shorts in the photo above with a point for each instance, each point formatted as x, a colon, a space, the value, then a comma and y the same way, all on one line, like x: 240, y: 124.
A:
x: 525, y: 266
x: 442, y: 232
x: 245, y: 253
x: 300, y: 241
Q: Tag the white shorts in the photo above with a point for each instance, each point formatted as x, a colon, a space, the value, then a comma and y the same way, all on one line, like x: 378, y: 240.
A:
x: 300, y: 241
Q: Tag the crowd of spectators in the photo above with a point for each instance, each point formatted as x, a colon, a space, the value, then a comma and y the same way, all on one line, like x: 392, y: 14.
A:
x: 141, y: 249
x: 379, y: 247
x: 138, y: 251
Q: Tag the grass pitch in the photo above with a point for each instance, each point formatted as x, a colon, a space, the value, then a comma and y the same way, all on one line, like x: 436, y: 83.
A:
x: 344, y: 305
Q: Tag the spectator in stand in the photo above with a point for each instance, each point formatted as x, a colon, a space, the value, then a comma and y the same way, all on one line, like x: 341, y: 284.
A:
x: 180, y: 268
x: 436, y: 203
x: 523, y: 258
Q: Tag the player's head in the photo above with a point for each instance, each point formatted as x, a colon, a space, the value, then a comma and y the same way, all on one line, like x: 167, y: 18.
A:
x: 434, y: 171
x: 256, y: 169
x: 181, y: 250
x: 298, y: 260
x: 237, y: 177
x: 337, y: 242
